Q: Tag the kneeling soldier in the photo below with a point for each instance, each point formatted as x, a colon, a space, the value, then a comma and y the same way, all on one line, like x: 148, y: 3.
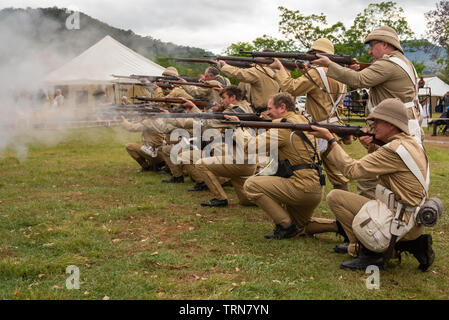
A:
x: 289, y: 201
x: 401, y: 165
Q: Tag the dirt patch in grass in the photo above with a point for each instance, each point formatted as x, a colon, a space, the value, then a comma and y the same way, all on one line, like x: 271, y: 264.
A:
x: 6, y: 252
x: 146, y: 230
x: 436, y: 141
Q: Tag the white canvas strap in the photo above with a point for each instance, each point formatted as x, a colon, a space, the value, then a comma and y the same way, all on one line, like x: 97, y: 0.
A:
x: 323, y: 77
x: 411, y: 73
x: 413, y: 167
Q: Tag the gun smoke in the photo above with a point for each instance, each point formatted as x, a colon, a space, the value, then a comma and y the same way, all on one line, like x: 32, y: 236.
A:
x: 27, y: 114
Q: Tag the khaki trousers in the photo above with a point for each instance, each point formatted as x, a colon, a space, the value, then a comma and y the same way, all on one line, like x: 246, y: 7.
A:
x: 238, y: 173
x: 282, y: 200
x: 142, y: 158
x: 176, y: 169
x: 367, y: 188
x: 187, y: 165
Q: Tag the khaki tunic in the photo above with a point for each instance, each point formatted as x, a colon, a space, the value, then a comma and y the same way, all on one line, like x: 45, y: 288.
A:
x: 392, y: 173
x: 318, y: 102
x: 318, y: 106
x: 385, y: 79
x: 287, y: 199
x: 211, y: 94
x: 263, y: 85
x: 213, y: 167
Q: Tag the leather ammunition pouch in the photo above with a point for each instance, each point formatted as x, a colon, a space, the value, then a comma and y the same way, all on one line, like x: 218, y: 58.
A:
x: 286, y: 170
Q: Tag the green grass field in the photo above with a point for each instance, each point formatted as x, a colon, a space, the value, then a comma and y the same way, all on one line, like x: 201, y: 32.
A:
x: 82, y: 202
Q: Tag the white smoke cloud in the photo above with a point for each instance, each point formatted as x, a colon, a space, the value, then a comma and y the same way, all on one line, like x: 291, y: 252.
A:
x: 26, y: 112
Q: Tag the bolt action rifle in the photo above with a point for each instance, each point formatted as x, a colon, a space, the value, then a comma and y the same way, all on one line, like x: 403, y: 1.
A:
x: 197, y: 102
x: 242, y: 62
x: 156, y: 78
x: 210, y: 115
x: 338, y: 58
x: 343, y: 131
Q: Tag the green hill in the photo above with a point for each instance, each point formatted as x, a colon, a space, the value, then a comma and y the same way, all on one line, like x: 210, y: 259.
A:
x: 42, y: 33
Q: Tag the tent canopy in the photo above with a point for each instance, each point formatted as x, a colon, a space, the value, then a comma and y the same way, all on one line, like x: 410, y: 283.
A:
x: 97, y: 64
x: 437, y: 86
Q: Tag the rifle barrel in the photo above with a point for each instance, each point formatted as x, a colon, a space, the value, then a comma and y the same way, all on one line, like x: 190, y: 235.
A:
x: 338, y: 58
x: 210, y: 115
x: 197, y: 102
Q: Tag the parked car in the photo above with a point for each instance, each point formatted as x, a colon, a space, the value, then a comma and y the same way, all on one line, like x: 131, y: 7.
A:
x: 300, y: 103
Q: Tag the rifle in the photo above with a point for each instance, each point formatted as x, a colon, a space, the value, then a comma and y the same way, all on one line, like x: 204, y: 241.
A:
x: 209, y: 115
x: 238, y: 64
x: 243, y: 62
x: 291, y: 65
x: 197, y: 84
x: 342, y: 131
x: 338, y: 58
x: 197, y: 102
x: 134, y: 108
x: 156, y: 78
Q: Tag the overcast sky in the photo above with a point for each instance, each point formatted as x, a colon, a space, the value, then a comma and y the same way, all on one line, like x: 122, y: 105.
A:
x: 214, y: 25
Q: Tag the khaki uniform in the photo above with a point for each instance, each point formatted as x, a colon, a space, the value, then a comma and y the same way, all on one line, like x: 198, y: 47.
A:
x: 263, y: 85
x: 287, y: 199
x: 213, y: 167
x: 210, y: 94
x: 318, y: 105
x: 385, y: 79
x: 246, y: 91
x: 150, y: 139
x: 393, y: 174
x: 166, y: 126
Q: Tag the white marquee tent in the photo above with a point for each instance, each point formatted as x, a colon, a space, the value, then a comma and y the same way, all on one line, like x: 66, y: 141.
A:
x: 91, y: 72
x: 99, y: 62
x: 437, y: 86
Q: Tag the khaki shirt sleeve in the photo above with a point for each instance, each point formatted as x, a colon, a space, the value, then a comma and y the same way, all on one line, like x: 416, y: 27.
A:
x: 296, y: 87
x: 382, y: 161
x: 245, y: 75
x: 377, y: 73
x: 179, y: 93
x: 158, y: 93
x: 133, y: 127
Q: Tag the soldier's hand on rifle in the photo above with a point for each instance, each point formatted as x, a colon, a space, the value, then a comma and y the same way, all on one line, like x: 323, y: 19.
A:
x: 144, y: 80
x: 124, y: 119
x: 276, y: 64
x: 231, y: 118
x: 366, y: 140
x: 187, y: 103
x: 164, y: 110
x: 322, y: 133
x: 221, y: 63
x: 322, y: 61
x: 306, y: 67
x: 355, y: 65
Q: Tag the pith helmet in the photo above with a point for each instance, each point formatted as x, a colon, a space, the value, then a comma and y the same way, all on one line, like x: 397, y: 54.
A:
x: 385, y: 34
x: 392, y: 111
x: 170, y: 71
x: 324, y: 45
